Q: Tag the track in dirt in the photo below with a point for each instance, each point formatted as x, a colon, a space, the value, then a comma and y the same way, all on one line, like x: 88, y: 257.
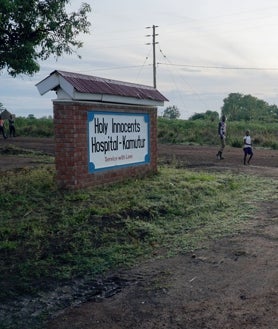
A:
x: 195, y: 157
x: 232, y: 284
x: 15, y: 152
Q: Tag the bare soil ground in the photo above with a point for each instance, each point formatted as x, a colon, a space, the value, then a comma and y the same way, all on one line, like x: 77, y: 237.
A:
x: 231, y: 284
x: 15, y: 152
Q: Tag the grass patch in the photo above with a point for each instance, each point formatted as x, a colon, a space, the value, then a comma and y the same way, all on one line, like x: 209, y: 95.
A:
x: 204, y: 132
x: 48, y: 236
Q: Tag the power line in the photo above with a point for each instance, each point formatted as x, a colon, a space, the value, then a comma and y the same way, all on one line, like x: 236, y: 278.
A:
x: 116, y: 68
x: 186, y: 82
x: 223, y: 67
x: 173, y: 78
x: 144, y: 64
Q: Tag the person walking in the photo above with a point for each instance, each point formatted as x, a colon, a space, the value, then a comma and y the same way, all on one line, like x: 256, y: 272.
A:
x: 247, y: 147
x: 222, y: 136
x: 11, y: 126
x: 2, y: 128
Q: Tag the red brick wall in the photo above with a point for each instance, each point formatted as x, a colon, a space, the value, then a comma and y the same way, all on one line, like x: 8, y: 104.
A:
x: 71, y: 145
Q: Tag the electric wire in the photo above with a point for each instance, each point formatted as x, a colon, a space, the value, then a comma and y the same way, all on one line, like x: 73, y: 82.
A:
x: 173, y: 79
x: 143, y: 66
x: 195, y: 92
x: 223, y: 67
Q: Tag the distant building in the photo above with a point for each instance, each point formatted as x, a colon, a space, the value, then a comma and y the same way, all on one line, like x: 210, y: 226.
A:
x: 5, y: 114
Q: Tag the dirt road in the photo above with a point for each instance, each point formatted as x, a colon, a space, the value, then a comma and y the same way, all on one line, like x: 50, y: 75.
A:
x: 232, y: 284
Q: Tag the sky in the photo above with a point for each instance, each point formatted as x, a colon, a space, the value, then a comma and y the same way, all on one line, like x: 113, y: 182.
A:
x: 205, y: 50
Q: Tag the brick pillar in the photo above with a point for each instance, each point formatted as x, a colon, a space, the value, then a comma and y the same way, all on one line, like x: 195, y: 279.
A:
x: 71, y: 145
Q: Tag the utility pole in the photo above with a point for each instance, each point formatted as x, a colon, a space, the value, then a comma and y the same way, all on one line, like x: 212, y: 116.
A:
x: 154, y: 57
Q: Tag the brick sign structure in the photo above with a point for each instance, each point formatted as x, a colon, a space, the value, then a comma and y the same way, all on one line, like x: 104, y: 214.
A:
x: 105, y: 130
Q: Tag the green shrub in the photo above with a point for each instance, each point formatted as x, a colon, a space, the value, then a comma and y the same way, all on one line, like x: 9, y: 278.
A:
x: 205, y: 132
x: 34, y: 127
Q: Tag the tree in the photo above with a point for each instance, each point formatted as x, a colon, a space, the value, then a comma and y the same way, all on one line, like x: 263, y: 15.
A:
x: 2, y: 108
x: 171, y: 112
x: 209, y: 115
x: 246, y: 107
x: 32, y: 30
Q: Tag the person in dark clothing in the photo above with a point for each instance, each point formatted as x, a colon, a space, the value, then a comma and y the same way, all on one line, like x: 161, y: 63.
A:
x: 222, y: 135
x: 11, y: 126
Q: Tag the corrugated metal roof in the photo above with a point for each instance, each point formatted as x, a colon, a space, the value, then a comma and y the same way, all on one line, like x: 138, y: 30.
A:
x: 90, y: 84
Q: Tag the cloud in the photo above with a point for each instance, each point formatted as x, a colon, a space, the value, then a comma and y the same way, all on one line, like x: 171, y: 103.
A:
x: 200, y: 43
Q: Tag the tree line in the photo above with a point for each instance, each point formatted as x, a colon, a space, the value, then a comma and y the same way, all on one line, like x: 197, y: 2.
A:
x: 236, y: 107
x: 239, y: 107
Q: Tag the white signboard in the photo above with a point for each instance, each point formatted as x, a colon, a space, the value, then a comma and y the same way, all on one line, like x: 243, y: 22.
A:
x: 117, y: 139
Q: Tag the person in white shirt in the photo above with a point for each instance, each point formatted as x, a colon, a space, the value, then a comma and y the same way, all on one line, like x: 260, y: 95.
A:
x: 247, y: 147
